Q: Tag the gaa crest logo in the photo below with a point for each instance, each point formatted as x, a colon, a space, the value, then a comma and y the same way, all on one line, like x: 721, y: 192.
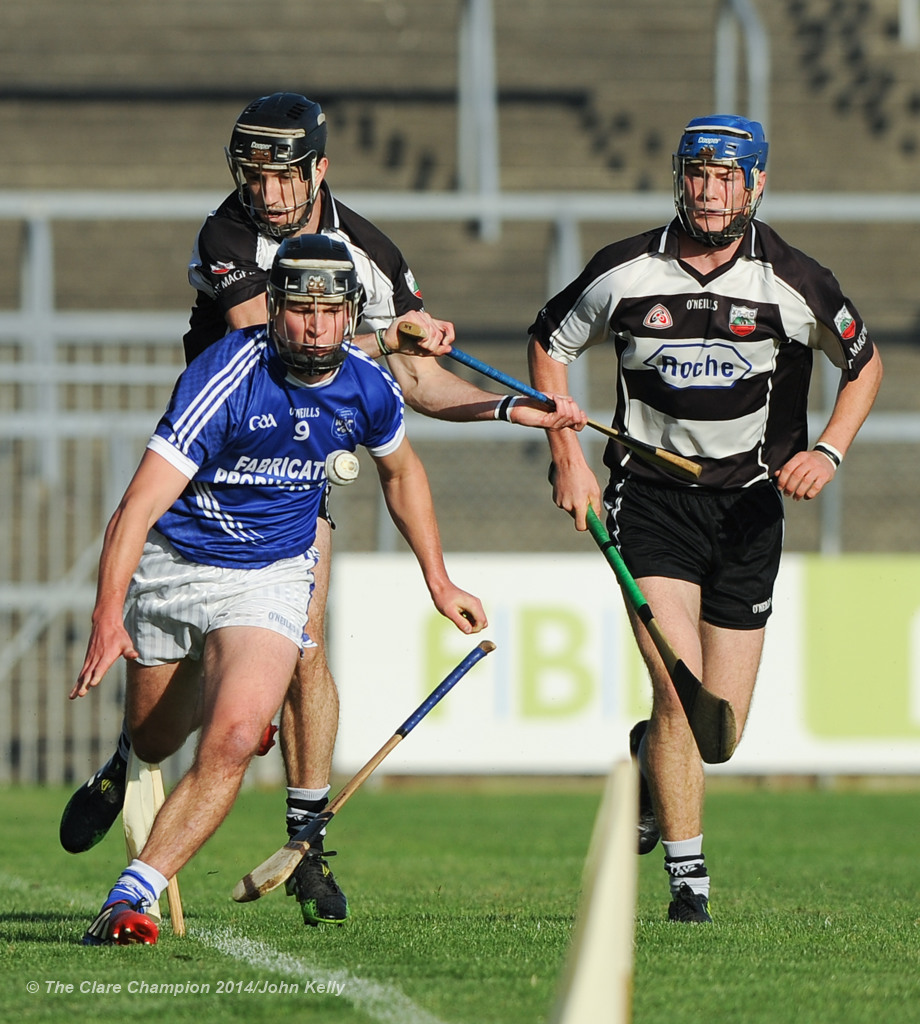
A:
x: 344, y: 423
x: 845, y: 323
x: 742, y: 320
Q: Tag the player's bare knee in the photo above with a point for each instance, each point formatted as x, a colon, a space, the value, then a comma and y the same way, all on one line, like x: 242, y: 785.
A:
x: 153, y: 745
x: 232, y: 744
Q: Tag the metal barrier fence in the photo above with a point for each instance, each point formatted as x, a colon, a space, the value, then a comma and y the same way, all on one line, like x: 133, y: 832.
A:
x: 80, y: 393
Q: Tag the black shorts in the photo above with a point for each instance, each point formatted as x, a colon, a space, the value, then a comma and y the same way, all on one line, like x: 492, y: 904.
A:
x: 727, y: 542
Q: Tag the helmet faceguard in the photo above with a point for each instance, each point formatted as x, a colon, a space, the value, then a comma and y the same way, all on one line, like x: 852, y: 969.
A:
x: 719, y: 141
x: 313, y: 277
x: 284, y: 135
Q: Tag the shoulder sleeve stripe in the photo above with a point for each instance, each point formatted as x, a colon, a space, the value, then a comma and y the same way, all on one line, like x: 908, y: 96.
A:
x: 390, y: 446
x: 214, y: 393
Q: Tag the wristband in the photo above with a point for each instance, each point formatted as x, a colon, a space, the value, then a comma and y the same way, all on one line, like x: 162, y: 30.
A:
x: 503, y: 409
x: 830, y: 452
x: 380, y: 334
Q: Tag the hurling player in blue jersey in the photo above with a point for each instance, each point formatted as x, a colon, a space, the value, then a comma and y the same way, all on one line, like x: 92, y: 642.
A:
x: 207, y: 566
x: 277, y: 156
x: 715, y: 320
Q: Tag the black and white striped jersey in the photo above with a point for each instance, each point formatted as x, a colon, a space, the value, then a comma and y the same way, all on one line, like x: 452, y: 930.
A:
x: 231, y: 260
x: 714, y: 367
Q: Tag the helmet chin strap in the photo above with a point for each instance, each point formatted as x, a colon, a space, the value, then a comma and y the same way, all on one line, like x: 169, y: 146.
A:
x: 715, y: 239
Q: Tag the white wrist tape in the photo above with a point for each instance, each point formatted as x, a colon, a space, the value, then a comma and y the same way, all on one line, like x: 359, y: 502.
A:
x: 503, y: 409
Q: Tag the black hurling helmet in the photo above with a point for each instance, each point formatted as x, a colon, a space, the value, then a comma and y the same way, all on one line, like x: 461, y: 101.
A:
x: 320, y: 269
x: 281, y: 132
x: 724, y: 140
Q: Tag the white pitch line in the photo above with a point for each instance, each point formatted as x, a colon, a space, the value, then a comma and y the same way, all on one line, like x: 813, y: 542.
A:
x: 382, y: 1003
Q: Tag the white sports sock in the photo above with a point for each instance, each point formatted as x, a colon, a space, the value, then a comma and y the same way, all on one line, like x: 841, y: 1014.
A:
x: 684, y: 847
x: 686, y: 865
x: 306, y: 795
x: 139, y: 881
x: 302, y: 805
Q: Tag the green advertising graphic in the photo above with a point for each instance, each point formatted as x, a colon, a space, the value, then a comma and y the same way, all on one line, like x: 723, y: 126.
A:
x: 550, y: 665
x: 861, y: 641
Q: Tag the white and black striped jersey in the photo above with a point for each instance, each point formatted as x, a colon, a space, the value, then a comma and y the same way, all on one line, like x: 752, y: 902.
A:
x: 715, y: 367
x: 231, y: 260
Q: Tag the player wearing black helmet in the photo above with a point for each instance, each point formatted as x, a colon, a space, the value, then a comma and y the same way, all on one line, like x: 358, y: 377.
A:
x: 277, y: 156
x: 313, y: 279
x: 715, y: 320
x: 278, y: 161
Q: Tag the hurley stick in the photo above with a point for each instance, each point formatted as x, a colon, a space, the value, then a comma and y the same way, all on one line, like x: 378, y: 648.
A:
x: 144, y: 796
x: 661, y: 457
x: 711, y: 718
x: 281, y: 865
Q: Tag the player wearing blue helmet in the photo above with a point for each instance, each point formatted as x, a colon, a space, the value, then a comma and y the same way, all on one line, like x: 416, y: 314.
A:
x: 715, y: 320
x: 719, y: 177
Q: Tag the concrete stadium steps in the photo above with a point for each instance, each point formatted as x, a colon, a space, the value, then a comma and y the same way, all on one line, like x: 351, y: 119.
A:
x: 226, y: 43
x: 609, y: 84
x: 107, y: 95
x: 845, y: 85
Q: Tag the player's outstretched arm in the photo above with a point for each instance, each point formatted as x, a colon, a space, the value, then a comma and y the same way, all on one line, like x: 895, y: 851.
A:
x: 574, y: 484
x: 434, y: 391
x: 408, y: 497
x: 155, y: 486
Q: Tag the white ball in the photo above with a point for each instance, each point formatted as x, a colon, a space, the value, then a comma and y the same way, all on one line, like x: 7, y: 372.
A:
x: 342, y: 467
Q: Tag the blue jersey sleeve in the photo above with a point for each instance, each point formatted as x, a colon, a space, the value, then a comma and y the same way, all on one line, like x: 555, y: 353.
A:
x: 202, y: 413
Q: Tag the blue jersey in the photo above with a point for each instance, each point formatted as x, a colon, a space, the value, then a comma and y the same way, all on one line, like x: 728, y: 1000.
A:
x: 253, y: 442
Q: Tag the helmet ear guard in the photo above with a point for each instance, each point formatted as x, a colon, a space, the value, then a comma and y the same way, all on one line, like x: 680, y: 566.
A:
x: 320, y: 269
x: 274, y: 134
x: 724, y: 140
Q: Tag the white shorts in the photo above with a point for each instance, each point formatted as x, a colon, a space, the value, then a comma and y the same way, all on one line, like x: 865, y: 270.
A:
x: 173, y: 604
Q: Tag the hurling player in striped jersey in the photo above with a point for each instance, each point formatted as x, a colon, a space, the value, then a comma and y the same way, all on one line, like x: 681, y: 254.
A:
x: 715, y: 320
x: 277, y: 158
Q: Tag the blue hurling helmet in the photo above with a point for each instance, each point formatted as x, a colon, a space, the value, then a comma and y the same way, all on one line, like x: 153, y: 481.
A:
x: 729, y: 141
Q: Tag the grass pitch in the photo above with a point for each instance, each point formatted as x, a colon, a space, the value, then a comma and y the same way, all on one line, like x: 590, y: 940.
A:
x: 463, y: 900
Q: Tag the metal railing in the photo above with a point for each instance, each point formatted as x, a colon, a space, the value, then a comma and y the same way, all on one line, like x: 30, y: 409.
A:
x: 734, y: 18
x: 909, y: 23
x: 38, y: 327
